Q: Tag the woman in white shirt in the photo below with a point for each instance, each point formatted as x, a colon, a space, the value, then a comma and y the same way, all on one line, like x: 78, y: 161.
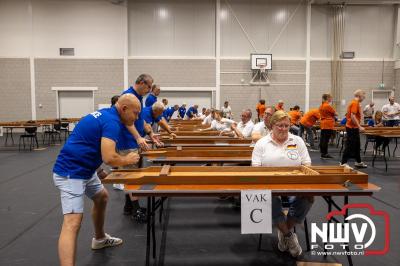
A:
x: 226, y: 110
x: 219, y: 123
x: 280, y: 148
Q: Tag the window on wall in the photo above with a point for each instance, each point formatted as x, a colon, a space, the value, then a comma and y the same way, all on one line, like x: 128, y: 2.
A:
x: 171, y: 28
x: 263, y: 24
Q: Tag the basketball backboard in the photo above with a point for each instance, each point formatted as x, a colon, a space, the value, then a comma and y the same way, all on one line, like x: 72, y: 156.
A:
x: 260, y: 60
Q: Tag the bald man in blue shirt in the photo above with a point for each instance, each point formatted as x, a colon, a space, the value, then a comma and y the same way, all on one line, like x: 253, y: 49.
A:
x: 92, y: 142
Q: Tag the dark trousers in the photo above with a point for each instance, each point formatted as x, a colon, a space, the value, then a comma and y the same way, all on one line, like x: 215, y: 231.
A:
x: 352, y: 148
x: 391, y: 123
x: 323, y: 144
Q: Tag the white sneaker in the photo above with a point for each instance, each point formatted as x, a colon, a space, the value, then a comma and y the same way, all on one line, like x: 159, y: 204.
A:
x: 107, y: 241
x: 360, y: 165
x: 293, y: 245
x: 118, y: 186
x: 344, y: 164
x: 282, y: 245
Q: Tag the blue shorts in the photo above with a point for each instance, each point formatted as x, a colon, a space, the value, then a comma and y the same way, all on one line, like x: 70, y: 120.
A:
x: 299, y: 207
x: 73, y: 190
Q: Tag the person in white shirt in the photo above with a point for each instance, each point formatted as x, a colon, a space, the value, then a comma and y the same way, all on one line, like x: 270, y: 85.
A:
x: 369, y: 110
x: 209, y: 117
x: 262, y: 128
x: 203, y: 114
x: 219, y: 123
x: 391, y: 113
x: 226, y: 110
x: 278, y: 149
x: 244, y: 128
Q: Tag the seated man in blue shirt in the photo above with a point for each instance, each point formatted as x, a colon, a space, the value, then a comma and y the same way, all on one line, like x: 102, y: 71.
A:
x: 169, y: 112
x: 192, y: 112
x: 92, y: 142
x: 152, y: 97
x: 182, y: 111
x: 153, y: 115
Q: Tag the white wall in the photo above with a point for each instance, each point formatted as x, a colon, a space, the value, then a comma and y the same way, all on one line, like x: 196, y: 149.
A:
x: 94, y: 28
x: 369, y: 31
x: 171, y: 28
x: 14, y: 28
x: 262, y: 21
x: 321, y: 32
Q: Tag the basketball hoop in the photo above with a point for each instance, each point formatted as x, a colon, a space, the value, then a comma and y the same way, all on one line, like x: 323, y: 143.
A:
x: 262, y: 67
x: 260, y: 77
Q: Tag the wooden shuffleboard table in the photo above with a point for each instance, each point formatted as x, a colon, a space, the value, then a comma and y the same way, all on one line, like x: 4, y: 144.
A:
x: 210, y: 181
x: 205, y: 141
x: 193, y: 133
x: 208, y: 155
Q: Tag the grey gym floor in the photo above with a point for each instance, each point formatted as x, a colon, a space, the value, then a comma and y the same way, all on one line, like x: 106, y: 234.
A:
x: 201, y: 231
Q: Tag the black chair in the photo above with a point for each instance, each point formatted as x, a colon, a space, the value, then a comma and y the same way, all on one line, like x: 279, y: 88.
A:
x: 53, y: 134
x: 31, y: 134
x: 64, y: 127
x: 369, y: 139
x: 286, y: 205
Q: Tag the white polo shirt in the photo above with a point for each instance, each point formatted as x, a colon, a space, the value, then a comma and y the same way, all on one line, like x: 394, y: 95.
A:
x: 207, y: 120
x: 390, y: 109
x: 291, y: 153
x: 261, y: 128
x: 222, y: 125
x: 226, y: 111
x: 246, y: 129
x: 368, y: 111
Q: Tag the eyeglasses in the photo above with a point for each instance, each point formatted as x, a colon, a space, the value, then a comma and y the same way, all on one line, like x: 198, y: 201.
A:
x: 147, y: 84
x: 282, y: 126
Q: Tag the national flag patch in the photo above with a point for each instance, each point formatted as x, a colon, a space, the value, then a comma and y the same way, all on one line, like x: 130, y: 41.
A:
x: 291, y: 147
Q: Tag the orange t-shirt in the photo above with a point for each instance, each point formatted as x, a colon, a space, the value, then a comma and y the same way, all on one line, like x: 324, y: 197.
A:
x: 294, y: 117
x: 277, y: 107
x: 260, y: 109
x: 354, y: 107
x: 310, y: 118
x: 327, y: 116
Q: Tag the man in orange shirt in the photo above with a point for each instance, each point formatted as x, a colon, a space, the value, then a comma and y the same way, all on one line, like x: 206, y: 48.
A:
x: 306, y: 123
x: 279, y: 106
x: 260, y: 108
x: 327, y: 123
x: 353, y: 128
x: 295, y: 120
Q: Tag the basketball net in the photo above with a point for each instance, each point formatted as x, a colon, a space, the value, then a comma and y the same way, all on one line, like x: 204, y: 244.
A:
x: 260, y: 77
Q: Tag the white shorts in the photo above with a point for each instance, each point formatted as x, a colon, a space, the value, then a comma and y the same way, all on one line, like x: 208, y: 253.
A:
x: 73, y: 190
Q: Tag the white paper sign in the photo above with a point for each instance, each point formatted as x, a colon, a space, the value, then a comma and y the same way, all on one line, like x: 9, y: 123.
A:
x: 256, y: 211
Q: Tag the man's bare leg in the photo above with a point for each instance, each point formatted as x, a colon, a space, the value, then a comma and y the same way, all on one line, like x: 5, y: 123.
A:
x: 98, y: 213
x: 68, y: 236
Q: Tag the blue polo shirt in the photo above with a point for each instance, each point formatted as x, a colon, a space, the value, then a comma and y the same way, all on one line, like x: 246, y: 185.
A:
x: 147, y: 115
x: 150, y: 100
x: 127, y: 141
x: 191, y: 112
x: 81, y: 154
x: 181, y: 112
x: 168, y: 112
